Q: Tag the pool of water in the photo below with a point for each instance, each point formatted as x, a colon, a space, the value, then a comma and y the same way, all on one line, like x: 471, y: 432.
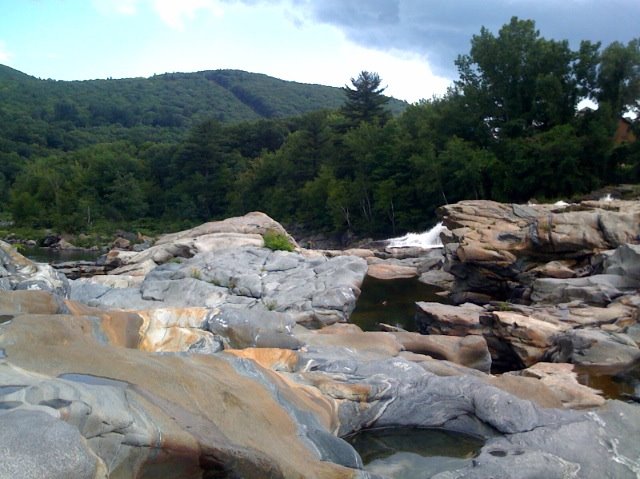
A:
x: 54, y: 256
x: 414, y: 453
x: 622, y: 386
x: 391, y: 302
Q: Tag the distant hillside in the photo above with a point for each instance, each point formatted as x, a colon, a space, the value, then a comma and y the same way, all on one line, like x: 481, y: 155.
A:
x: 175, y: 100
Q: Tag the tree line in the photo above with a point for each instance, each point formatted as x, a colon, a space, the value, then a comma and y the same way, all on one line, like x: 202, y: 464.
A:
x: 508, y: 129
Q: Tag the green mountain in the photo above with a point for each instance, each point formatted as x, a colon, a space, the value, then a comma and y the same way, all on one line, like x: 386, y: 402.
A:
x: 173, y: 100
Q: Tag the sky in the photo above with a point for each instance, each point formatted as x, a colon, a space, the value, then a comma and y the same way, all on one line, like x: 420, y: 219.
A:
x: 411, y: 44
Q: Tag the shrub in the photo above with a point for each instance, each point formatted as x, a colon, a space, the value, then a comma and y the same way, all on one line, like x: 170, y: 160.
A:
x: 277, y: 241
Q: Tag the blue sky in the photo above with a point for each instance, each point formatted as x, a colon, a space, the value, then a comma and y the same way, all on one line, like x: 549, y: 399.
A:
x: 410, y: 43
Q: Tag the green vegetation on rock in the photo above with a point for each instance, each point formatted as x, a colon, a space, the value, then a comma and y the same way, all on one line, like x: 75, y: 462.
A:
x: 277, y: 241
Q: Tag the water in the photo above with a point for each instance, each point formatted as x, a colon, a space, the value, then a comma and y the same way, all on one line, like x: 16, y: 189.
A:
x: 391, y: 302
x: 428, y: 240
x: 54, y: 256
x: 405, y: 453
x: 621, y: 386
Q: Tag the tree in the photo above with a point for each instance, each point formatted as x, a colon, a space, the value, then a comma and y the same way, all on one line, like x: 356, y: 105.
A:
x: 521, y: 82
x: 365, y: 101
x: 619, y: 77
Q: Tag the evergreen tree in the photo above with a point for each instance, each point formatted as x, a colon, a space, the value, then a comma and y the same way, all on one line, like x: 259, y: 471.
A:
x: 365, y: 101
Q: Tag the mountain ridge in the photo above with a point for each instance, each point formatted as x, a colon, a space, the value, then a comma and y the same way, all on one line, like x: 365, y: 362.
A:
x: 178, y: 99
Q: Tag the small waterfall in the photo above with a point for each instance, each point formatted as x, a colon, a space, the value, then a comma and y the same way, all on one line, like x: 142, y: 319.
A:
x: 607, y: 197
x: 427, y: 240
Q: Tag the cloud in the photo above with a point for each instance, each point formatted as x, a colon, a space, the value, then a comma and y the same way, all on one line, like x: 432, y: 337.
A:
x: 175, y: 12
x: 440, y: 30
x: 5, y: 56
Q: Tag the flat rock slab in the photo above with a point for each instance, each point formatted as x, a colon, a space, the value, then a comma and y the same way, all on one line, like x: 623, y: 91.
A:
x: 390, y: 271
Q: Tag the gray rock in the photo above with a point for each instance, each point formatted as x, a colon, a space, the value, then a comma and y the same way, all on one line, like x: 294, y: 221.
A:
x: 625, y: 261
x: 596, y: 290
x: 315, y: 290
x: 246, y: 328
x: 594, y: 347
x: 33, y: 444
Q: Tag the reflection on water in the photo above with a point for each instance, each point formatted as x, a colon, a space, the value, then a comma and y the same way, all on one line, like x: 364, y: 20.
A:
x: 53, y: 256
x: 620, y: 386
x: 414, y: 453
x: 391, y: 302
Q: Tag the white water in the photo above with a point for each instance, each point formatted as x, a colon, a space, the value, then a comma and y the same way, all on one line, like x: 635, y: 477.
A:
x: 427, y: 240
x: 607, y: 197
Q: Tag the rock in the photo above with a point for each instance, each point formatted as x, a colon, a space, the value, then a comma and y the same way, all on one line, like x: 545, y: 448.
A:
x: 270, y: 358
x: 625, y: 261
x: 121, y: 243
x: 563, y: 381
x: 596, y: 290
x: 313, y: 290
x: 498, y: 249
x: 438, y: 278
x: 30, y: 302
x: 324, y: 347
x: 610, y: 454
x: 63, y: 244
x: 437, y: 318
x: 387, y: 271
x: 470, y: 351
x: 527, y: 337
x: 249, y: 328
x: 36, y: 444
x: 20, y: 273
x: 141, y: 412
x: 610, y: 352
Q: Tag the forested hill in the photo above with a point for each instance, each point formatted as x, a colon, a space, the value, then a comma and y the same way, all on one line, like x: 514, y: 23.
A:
x: 168, y: 100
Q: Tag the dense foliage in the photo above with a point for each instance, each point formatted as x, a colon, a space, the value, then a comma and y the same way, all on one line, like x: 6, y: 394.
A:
x: 507, y: 130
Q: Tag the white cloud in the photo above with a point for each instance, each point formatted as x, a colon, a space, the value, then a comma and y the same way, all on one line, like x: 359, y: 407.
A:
x: 5, y: 56
x: 175, y: 12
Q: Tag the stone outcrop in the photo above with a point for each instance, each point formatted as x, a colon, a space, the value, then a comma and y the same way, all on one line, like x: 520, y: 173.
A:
x: 497, y: 250
x: 220, y: 358
x: 312, y: 290
x: 18, y: 273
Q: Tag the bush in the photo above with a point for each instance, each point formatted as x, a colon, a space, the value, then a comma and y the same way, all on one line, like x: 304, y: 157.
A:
x: 277, y: 241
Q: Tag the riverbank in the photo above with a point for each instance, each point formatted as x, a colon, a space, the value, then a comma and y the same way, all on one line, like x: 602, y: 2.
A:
x: 210, y: 353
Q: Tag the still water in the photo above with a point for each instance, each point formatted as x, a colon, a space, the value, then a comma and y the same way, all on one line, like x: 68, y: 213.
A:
x: 54, y: 256
x: 391, y: 302
x: 414, y: 453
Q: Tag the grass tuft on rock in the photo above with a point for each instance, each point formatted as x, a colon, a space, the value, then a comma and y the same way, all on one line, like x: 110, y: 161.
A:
x: 277, y: 241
